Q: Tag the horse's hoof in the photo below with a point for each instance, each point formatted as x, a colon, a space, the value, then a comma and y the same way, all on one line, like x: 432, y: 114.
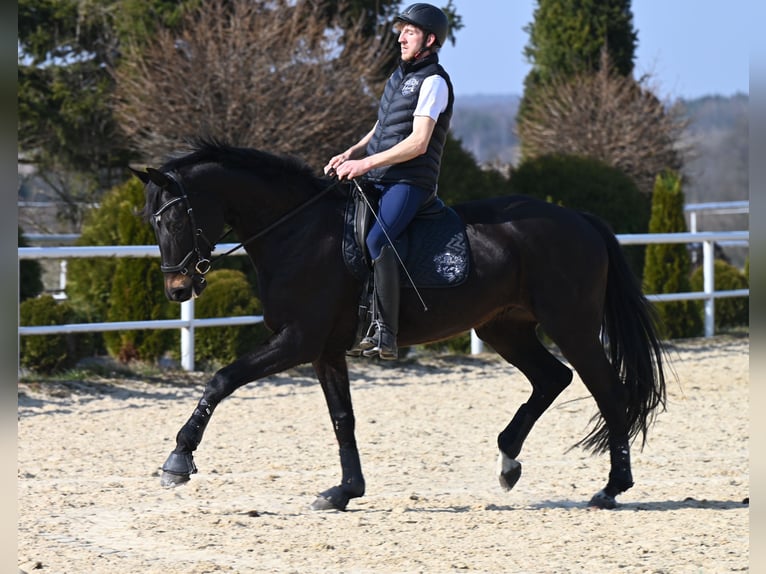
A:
x: 603, y: 500
x: 509, y: 471
x: 169, y: 480
x: 177, y: 469
x: 332, y: 499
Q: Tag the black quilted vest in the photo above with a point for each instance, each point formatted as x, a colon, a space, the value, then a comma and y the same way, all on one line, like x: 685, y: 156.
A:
x: 399, y: 100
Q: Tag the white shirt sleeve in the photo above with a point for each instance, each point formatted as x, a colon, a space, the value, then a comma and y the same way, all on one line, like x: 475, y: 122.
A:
x: 433, y: 98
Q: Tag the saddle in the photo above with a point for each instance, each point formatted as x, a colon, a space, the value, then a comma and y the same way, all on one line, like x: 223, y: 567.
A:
x: 434, y: 249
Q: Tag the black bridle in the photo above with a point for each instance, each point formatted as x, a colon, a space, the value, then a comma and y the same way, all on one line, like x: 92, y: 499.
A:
x: 203, y: 264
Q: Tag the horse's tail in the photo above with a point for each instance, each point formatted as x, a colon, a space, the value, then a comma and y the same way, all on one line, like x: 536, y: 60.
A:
x: 629, y: 333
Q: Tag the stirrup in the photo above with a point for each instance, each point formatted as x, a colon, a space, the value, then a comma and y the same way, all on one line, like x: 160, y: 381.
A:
x: 369, y: 341
x: 385, y: 346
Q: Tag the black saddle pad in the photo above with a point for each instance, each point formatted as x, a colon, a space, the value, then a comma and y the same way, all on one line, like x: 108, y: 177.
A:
x: 434, y: 250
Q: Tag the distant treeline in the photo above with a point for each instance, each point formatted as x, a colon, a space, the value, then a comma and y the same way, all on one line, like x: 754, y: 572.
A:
x: 718, y: 132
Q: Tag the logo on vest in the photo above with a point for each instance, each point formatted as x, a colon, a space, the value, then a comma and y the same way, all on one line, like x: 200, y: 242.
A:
x: 410, y: 86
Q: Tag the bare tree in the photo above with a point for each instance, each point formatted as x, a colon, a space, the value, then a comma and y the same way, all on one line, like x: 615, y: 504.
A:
x: 606, y: 116
x: 265, y: 74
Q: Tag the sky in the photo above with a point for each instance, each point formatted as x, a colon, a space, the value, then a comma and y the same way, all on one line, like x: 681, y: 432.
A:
x: 690, y: 48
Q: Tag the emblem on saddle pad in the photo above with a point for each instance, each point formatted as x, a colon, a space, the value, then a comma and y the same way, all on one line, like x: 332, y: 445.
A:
x: 434, y: 249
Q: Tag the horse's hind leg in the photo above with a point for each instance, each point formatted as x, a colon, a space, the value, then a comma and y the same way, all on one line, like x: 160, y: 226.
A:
x: 587, y: 356
x: 517, y: 343
x: 333, y: 376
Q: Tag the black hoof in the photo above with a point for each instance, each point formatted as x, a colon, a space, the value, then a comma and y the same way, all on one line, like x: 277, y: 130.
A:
x: 603, y: 500
x: 169, y: 480
x: 332, y: 499
x: 509, y: 471
x: 177, y: 469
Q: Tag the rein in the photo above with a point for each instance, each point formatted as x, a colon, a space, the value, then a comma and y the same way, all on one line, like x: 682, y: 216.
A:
x: 204, y: 265
x: 278, y: 222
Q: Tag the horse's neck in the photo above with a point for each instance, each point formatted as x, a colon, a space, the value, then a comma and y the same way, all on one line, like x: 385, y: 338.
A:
x: 253, y: 204
x: 285, y: 228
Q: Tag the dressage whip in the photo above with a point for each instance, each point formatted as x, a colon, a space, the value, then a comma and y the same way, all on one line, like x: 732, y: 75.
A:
x: 390, y: 242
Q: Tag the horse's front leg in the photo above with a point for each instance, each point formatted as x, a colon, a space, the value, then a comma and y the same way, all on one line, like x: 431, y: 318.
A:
x: 333, y: 376
x: 281, y: 351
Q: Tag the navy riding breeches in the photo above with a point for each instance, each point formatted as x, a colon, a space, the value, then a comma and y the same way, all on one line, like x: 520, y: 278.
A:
x: 399, y: 203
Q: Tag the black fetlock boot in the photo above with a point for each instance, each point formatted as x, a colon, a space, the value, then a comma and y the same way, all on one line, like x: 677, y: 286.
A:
x: 381, y: 338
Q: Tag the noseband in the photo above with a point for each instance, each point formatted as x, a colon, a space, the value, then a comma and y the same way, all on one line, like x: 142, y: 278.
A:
x: 202, y: 266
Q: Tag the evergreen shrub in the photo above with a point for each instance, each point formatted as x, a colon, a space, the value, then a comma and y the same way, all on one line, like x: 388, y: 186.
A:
x: 47, y: 354
x: 228, y: 294
x: 30, y: 274
x: 462, y: 179
x: 457, y: 345
x: 126, y: 288
x: 667, y: 266
x: 587, y: 184
x: 731, y: 311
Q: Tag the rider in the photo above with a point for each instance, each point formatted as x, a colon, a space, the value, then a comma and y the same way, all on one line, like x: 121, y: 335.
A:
x: 401, y: 158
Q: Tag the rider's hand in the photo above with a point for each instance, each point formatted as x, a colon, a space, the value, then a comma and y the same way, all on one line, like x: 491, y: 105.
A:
x: 335, y: 161
x: 351, y: 169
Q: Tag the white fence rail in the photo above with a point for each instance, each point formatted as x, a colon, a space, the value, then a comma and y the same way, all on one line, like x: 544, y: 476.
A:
x: 187, y: 322
x: 715, y: 207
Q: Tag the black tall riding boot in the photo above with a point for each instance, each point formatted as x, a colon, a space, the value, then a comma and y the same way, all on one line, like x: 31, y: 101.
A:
x: 381, y: 340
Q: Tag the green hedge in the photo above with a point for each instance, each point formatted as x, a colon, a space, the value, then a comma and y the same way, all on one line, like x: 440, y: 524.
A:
x: 30, y: 274
x: 228, y: 294
x: 49, y: 354
x: 729, y: 312
x: 588, y: 184
x: 585, y: 184
x: 122, y: 289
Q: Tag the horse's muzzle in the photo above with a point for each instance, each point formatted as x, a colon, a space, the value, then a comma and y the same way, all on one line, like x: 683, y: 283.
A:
x: 180, y: 288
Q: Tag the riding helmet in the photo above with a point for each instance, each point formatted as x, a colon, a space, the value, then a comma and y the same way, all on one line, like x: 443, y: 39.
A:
x: 428, y: 18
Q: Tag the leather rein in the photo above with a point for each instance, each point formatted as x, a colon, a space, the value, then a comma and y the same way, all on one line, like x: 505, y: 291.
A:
x: 204, y: 264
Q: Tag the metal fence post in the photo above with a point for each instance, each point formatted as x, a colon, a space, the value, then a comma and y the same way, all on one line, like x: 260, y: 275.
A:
x: 187, y: 335
x: 708, y: 285
x: 477, y: 345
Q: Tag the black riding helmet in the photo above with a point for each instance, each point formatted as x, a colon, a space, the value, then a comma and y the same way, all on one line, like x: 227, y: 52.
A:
x: 428, y: 18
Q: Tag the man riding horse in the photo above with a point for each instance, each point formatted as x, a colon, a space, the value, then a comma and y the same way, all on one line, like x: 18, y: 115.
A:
x: 401, y: 158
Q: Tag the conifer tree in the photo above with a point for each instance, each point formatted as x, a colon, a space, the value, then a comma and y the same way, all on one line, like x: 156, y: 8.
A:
x: 581, y: 98
x: 567, y: 36
x: 668, y: 265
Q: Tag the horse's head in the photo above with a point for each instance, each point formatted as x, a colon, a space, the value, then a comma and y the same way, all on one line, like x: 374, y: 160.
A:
x: 182, y: 225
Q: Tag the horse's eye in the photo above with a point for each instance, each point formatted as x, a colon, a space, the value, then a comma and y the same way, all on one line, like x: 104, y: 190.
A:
x: 175, y: 226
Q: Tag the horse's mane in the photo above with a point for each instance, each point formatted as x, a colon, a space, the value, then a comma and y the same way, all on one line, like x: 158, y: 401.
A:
x: 268, y: 165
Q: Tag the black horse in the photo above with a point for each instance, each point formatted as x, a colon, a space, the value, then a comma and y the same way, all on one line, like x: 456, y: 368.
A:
x: 533, y: 264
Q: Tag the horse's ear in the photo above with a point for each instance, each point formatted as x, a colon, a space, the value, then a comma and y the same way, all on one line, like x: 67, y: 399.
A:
x: 158, y: 178
x: 142, y: 175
